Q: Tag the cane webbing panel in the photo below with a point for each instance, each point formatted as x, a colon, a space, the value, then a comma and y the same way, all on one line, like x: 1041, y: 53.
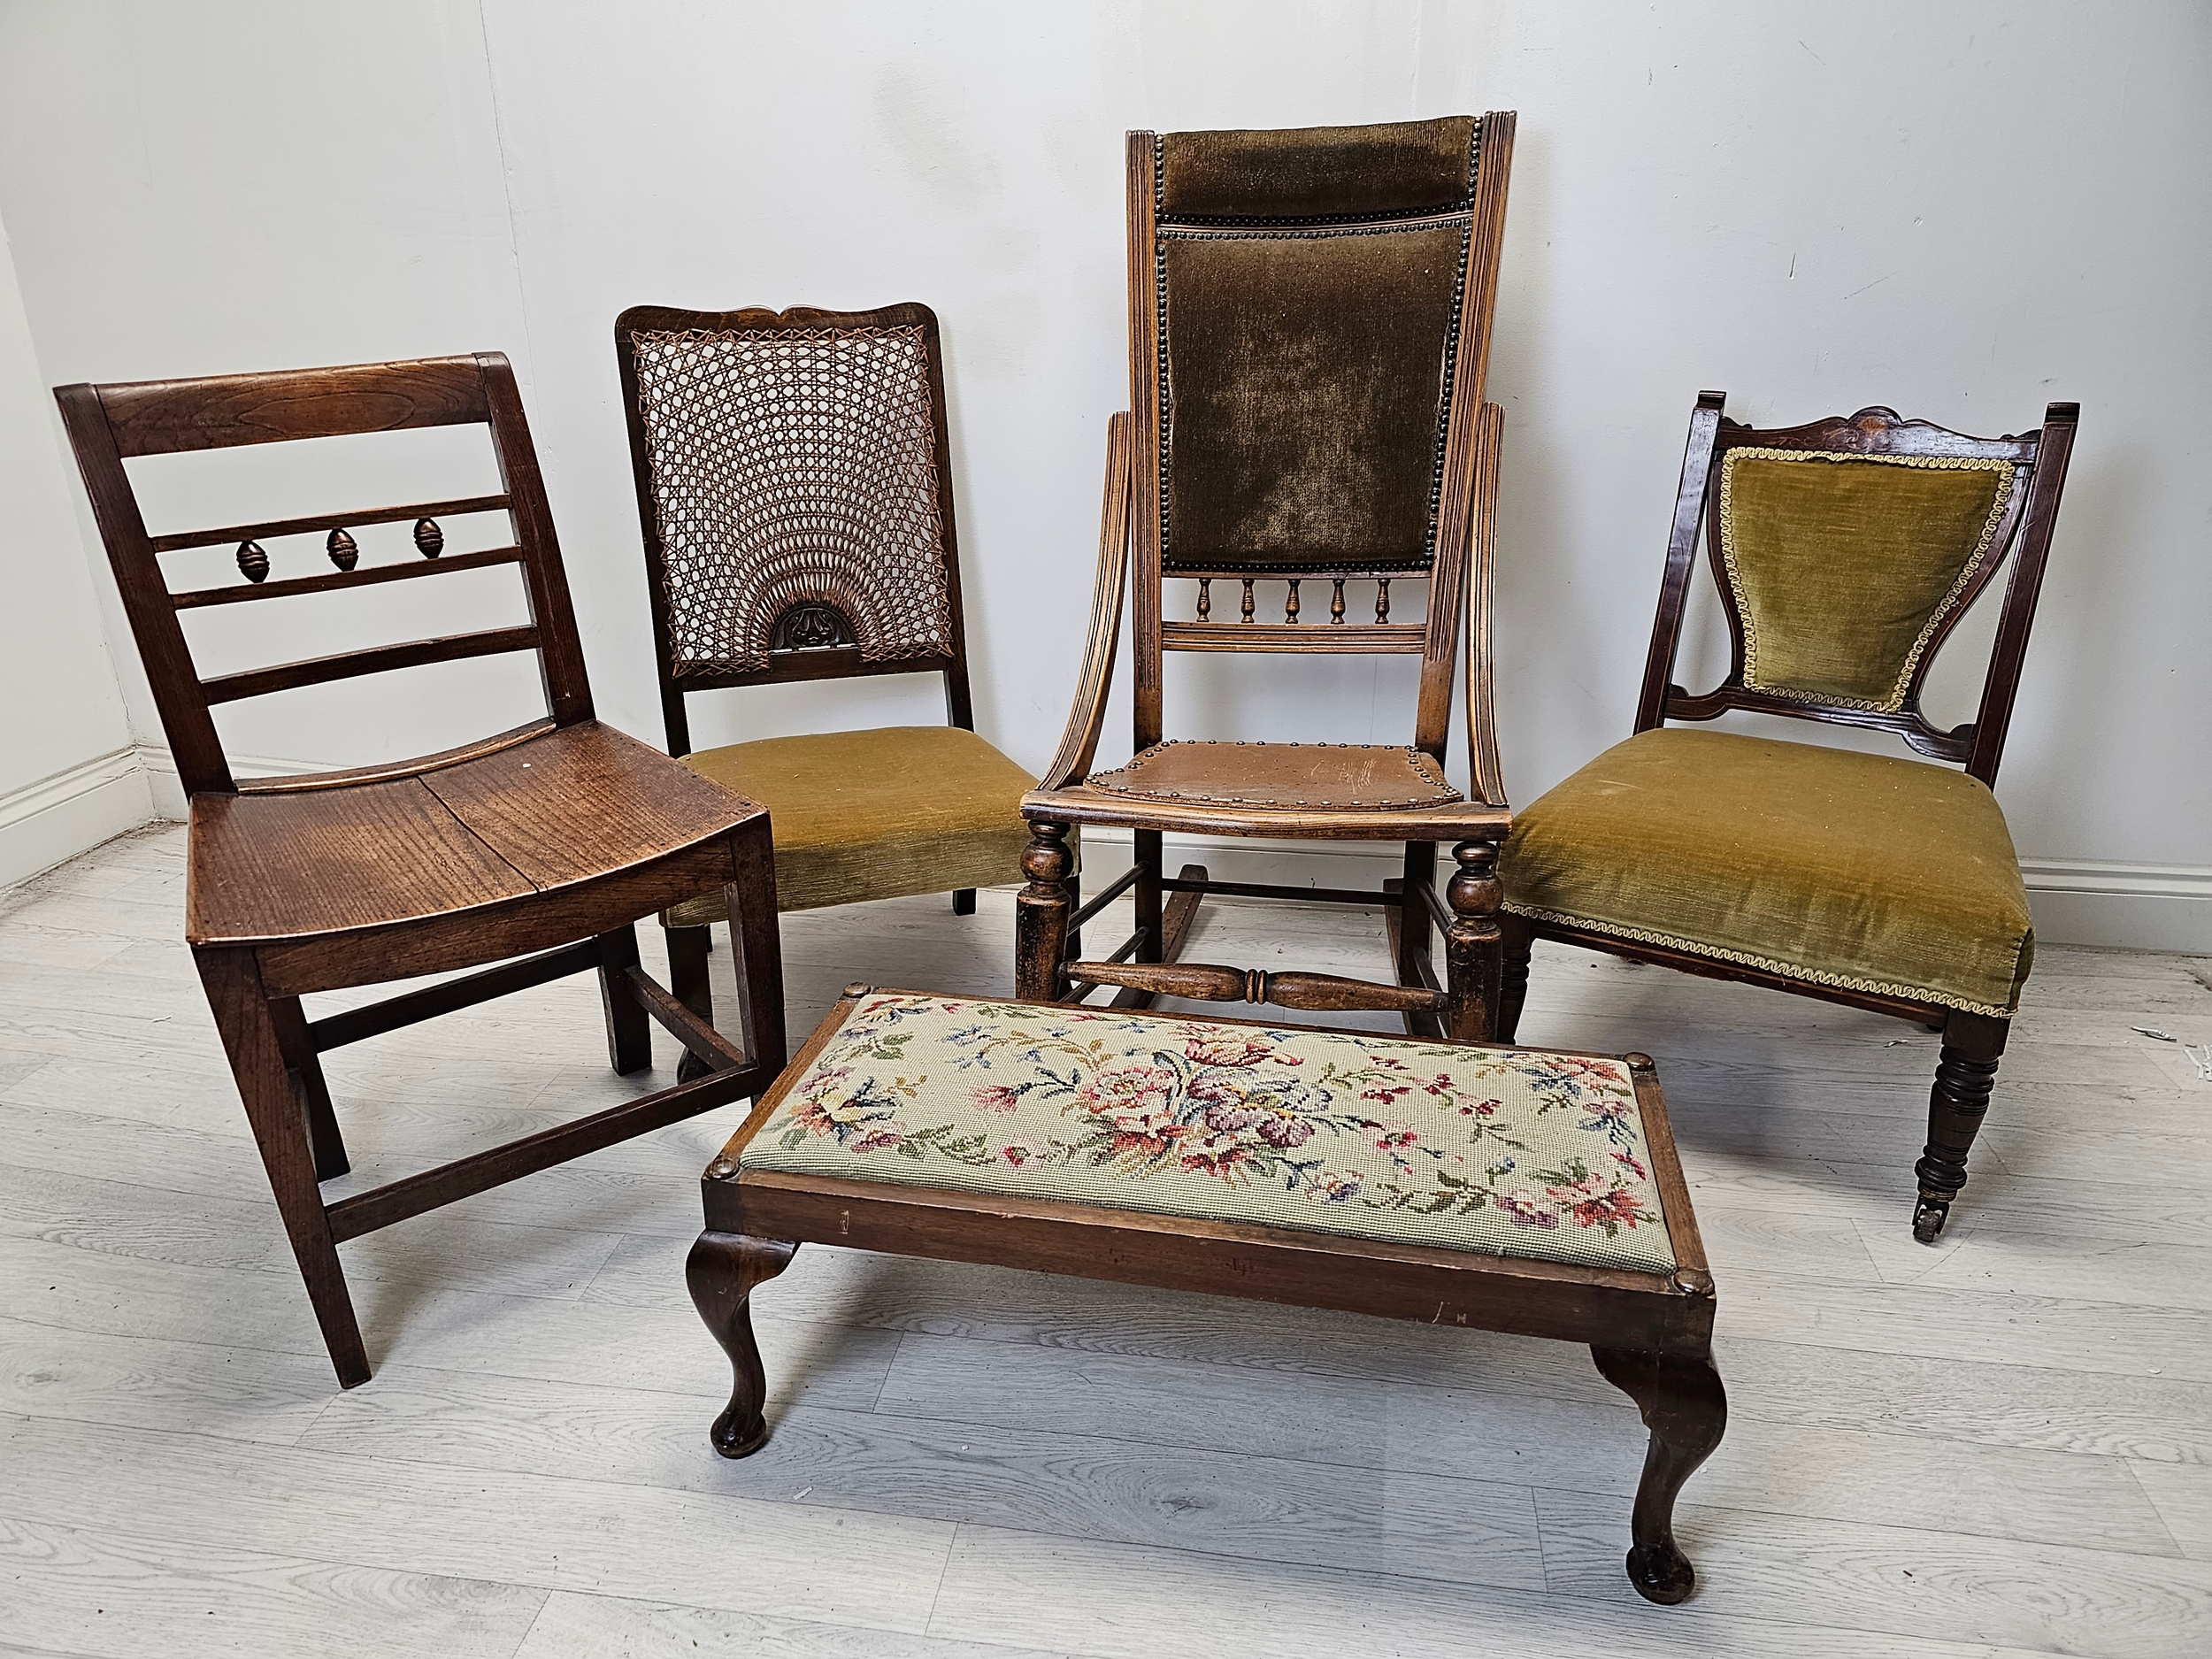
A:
x: 793, y: 471
x: 1500, y: 1151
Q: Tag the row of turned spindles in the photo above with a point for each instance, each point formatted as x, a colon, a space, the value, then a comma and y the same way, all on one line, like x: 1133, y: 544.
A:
x: 344, y: 552
x: 1290, y: 605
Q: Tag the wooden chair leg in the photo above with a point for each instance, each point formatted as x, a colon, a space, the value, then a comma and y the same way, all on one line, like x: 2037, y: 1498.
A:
x: 1965, y: 1072
x: 1149, y: 848
x: 1040, y: 915
x: 245, y: 1017
x: 964, y: 902
x: 721, y: 1272
x: 690, y: 983
x: 1686, y: 1410
x: 1518, y: 939
x: 306, y: 1067
x: 1414, y: 927
x: 757, y: 944
x: 629, y: 1027
x: 1074, y: 885
x: 1473, y: 948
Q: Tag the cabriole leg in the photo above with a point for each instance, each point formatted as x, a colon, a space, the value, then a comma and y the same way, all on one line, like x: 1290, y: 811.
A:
x: 1686, y: 1410
x: 1040, y: 915
x: 721, y: 1271
x: 1965, y: 1073
x: 1518, y: 939
x: 1472, y: 947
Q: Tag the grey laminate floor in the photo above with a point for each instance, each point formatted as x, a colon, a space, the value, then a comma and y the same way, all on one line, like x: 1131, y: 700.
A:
x: 2000, y: 1445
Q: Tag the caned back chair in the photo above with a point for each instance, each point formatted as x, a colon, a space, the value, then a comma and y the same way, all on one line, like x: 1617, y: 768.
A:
x: 795, y: 496
x: 550, y: 839
x: 1845, y: 552
x: 1309, y: 326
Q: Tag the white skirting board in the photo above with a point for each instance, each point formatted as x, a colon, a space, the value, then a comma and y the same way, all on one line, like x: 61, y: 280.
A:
x: 2077, y: 901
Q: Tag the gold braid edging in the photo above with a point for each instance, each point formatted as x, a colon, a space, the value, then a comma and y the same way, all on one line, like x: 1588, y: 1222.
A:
x: 1941, y: 463
x: 1788, y: 969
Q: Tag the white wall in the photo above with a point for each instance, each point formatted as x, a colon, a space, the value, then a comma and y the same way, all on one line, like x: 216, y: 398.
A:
x: 1963, y: 211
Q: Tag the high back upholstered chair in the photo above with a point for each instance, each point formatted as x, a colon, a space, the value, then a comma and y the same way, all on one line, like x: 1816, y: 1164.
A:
x: 550, y: 839
x: 795, y: 494
x: 1844, y: 551
x: 1310, y: 323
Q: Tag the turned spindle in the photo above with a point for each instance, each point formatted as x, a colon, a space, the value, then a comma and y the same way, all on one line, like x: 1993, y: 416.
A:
x: 342, y: 549
x: 253, y: 561
x: 1290, y: 606
x: 1248, y: 599
x: 429, y: 538
x: 1205, y: 597
x: 1382, y: 599
x: 1336, y: 600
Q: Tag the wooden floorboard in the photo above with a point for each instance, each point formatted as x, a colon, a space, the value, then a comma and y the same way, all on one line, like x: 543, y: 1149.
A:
x: 1998, y: 1447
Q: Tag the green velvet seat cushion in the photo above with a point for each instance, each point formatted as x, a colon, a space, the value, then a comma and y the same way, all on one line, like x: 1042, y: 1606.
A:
x: 1503, y: 1151
x: 874, y: 814
x: 1830, y: 866
x: 1843, y: 567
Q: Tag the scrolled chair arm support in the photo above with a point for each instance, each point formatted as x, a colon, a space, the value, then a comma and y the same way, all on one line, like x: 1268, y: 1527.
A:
x: 1087, y: 718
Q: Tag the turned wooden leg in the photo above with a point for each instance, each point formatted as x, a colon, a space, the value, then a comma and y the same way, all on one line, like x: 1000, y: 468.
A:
x: 964, y: 902
x: 244, y: 1016
x: 629, y: 1027
x: 1686, y: 1410
x: 1473, y: 946
x: 1518, y: 938
x: 306, y: 1067
x: 1147, y: 847
x: 689, y: 984
x: 721, y: 1271
x: 1040, y: 915
x: 1965, y: 1072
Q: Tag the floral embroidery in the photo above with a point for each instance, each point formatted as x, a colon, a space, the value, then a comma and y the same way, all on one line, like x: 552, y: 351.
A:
x: 1508, y: 1150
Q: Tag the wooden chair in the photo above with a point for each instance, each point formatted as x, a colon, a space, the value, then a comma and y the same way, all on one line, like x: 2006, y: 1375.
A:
x: 1310, y: 323
x: 1844, y: 551
x: 795, y: 495
x: 550, y: 839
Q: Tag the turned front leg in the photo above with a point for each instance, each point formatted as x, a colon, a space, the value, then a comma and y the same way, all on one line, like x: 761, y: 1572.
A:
x: 1040, y: 915
x: 1474, y: 958
x: 1686, y: 1410
x: 721, y: 1271
x: 1965, y: 1073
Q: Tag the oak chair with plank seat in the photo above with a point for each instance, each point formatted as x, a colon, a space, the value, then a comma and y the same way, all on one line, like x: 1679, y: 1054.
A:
x: 1310, y: 324
x: 550, y: 839
x: 1845, y: 552
x: 795, y: 495
x: 1488, y: 1189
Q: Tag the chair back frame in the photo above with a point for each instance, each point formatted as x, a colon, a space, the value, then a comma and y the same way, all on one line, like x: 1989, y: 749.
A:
x: 2023, y: 534
x: 790, y: 661
x: 1467, y: 472
x: 111, y: 423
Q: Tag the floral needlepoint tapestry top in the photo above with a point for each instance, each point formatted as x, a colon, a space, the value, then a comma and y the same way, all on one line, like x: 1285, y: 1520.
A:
x: 1511, y: 1152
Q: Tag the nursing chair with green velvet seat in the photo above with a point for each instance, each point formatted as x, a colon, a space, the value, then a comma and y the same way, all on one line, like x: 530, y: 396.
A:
x: 1845, y: 552
x: 794, y: 493
x: 1309, y: 324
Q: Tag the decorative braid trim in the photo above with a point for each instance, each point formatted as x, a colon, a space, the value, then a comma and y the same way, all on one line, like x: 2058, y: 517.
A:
x: 1788, y: 969
x: 1896, y: 699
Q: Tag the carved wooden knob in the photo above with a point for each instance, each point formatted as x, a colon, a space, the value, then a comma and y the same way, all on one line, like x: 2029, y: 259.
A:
x: 342, y: 549
x: 429, y: 538
x: 253, y: 561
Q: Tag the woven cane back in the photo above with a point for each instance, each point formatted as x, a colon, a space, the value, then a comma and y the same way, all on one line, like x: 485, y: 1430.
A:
x: 795, y: 485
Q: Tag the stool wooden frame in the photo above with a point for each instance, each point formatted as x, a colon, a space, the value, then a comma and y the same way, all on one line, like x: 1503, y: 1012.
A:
x: 543, y: 843
x: 1973, y: 1043
x: 1458, y: 577
x: 1649, y: 1333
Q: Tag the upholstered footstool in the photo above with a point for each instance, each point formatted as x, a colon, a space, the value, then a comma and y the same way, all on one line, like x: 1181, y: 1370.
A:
x: 1498, y: 1188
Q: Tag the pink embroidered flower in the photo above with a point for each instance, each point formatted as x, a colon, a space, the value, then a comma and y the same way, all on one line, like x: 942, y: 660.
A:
x: 1439, y: 1084
x: 1390, y: 1136
x: 1283, y: 1130
x: 1129, y: 1089
x: 1228, y: 1116
x: 1592, y: 1203
x: 1019, y: 1152
x: 878, y: 1137
x: 1151, y: 1133
x: 1219, y: 1155
x: 1384, y: 1096
x: 1629, y: 1159
x: 1334, y: 1188
x: 1526, y: 1210
x: 1225, y: 1048
x: 1482, y: 1109
x: 996, y: 1097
